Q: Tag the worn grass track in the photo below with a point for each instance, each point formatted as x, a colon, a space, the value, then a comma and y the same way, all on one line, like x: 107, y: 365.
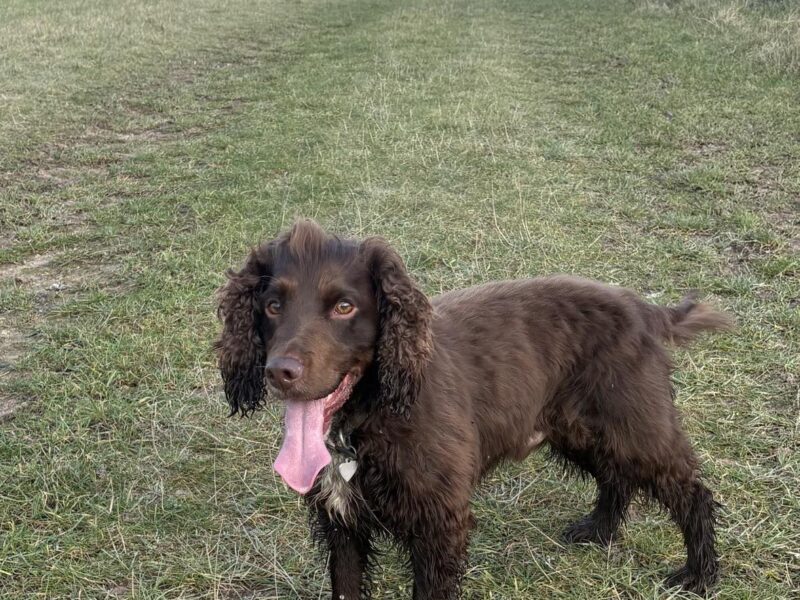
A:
x: 145, y: 145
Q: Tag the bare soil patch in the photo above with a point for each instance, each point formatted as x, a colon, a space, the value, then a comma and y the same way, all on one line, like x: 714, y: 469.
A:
x: 12, y: 344
x: 51, y: 284
x: 706, y: 149
x: 12, y: 347
x: 42, y: 273
x: 787, y: 223
x: 8, y: 408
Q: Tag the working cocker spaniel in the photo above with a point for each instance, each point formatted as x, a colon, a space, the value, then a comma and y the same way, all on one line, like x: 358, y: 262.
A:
x: 396, y: 405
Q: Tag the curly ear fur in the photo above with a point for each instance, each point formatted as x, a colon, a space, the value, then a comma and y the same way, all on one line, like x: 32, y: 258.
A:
x: 404, y: 339
x: 241, y: 352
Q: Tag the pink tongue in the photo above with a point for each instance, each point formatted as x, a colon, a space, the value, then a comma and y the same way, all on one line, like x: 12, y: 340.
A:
x: 303, y: 454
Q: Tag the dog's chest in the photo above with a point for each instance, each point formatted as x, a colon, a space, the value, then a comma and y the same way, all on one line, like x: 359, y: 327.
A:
x: 337, y: 488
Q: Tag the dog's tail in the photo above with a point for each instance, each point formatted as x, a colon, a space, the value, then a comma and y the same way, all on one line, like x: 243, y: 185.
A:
x: 680, y: 324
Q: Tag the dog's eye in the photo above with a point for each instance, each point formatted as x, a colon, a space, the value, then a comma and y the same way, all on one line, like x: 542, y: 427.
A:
x: 273, y: 307
x: 343, y: 308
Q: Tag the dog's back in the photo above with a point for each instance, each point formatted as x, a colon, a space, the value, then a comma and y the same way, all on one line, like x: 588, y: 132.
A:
x: 561, y: 357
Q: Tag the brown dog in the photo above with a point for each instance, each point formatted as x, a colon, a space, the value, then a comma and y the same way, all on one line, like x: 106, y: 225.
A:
x: 397, y: 405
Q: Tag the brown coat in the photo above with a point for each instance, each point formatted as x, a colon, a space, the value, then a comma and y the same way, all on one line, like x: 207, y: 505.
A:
x: 448, y: 388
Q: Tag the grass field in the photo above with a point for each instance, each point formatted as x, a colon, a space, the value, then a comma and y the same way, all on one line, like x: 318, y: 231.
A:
x: 146, y: 144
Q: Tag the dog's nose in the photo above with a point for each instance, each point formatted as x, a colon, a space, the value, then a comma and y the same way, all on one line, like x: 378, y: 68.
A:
x: 284, y: 371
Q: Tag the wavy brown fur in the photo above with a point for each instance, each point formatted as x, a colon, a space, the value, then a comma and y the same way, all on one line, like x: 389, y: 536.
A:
x: 451, y: 387
x: 404, y: 340
x: 239, y: 348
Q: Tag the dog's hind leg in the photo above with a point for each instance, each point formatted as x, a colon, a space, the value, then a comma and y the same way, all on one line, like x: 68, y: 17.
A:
x: 613, y: 497
x: 691, y: 505
x: 600, y: 526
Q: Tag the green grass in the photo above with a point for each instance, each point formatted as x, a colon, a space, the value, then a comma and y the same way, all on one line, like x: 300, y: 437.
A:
x: 146, y: 144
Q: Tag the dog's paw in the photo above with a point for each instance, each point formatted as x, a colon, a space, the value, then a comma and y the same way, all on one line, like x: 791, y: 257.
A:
x: 690, y: 581
x: 586, y: 531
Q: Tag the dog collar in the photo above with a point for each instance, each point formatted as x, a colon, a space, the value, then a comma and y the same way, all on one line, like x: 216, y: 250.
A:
x: 341, y: 442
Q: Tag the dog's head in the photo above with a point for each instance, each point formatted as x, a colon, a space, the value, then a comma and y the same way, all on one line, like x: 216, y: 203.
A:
x: 308, y: 315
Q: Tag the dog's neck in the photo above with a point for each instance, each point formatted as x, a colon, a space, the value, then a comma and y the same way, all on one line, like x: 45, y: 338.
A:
x: 352, y: 416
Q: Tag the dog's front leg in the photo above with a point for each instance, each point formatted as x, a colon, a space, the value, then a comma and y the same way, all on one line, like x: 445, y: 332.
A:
x: 439, y: 557
x: 349, y: 549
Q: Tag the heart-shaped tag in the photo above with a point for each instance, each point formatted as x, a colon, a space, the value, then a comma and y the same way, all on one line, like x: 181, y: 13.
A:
x: 347, y: 469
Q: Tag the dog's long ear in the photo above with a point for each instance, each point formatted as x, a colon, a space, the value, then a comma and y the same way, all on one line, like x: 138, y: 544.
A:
x: 404, y: 338
x: 241, y: 352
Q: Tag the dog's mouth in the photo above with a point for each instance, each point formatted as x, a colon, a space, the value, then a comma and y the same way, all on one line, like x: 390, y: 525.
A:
x: 303, y: 453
